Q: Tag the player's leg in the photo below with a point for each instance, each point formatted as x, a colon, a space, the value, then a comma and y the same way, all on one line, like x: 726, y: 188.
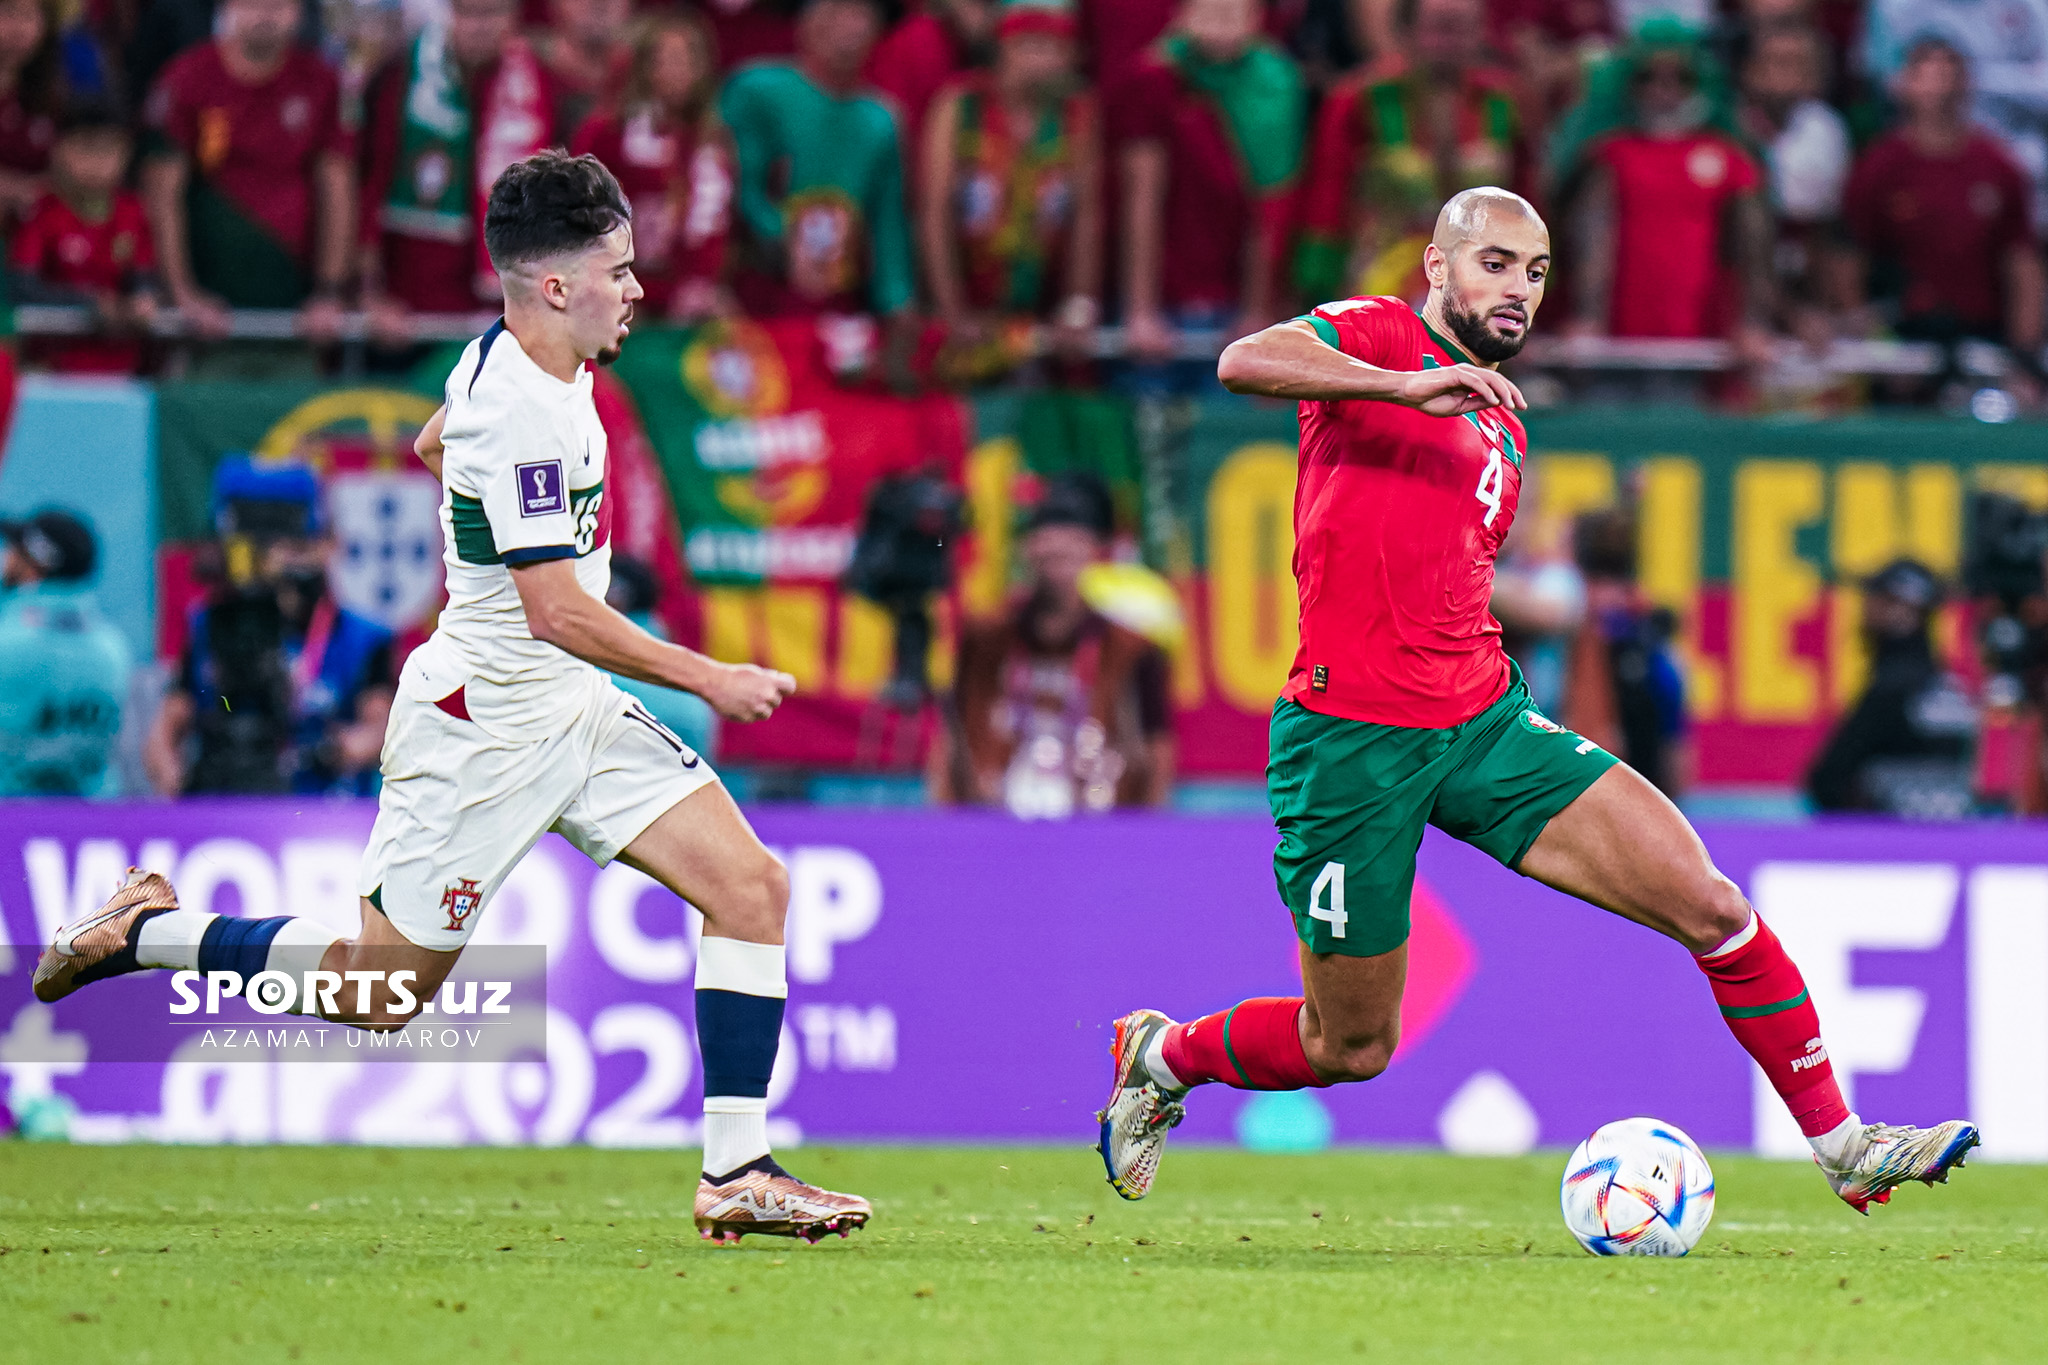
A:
x: 1623, y: 846
x: 1350, y: 801
x: 142, y: 928
x: 457, y: 811
x: 703, y: 849
x: 653, y: 803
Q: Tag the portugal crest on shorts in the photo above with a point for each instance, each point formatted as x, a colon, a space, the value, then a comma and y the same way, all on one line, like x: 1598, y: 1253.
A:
x: 461, y: 901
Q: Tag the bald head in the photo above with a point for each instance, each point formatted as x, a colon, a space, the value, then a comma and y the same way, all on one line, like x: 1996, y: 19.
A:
x: 1487, y: 264
x: 1472, y: 215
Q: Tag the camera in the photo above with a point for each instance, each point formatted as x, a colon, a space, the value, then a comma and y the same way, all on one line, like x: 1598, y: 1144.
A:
x: 2004, y: 572
x: 903, y: 555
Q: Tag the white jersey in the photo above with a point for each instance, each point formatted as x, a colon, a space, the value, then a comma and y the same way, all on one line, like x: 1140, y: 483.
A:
x: 522, y: 482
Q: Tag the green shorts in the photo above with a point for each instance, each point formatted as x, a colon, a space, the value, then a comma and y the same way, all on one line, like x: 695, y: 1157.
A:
x: 1351, y: 799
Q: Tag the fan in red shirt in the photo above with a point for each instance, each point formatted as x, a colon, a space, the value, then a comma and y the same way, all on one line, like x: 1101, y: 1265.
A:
x: 1403, y: 712
x: 1207, y: 130
x: 87, y: 241
x: 675, y: 162
x: 1010, y: 220
x: 1946, y: 207
x: 943, y: 39
x: 1675, y: 233
x: 249, y: 179
x: 587, y: 50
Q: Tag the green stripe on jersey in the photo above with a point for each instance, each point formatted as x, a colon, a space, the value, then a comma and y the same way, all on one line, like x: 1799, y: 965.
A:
x: 1759, y: 1011
x: 474, y: 543
x: 1325, y: 329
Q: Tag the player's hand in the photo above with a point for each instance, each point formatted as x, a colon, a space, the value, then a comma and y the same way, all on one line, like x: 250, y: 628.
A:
x: 748, y: 692
x: 1456, y: 390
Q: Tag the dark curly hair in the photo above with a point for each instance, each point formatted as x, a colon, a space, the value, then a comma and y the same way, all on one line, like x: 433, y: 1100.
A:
x: 549, y: 204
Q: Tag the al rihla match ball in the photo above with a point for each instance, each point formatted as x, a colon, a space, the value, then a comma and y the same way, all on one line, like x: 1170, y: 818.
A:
x: 1638, y: 1187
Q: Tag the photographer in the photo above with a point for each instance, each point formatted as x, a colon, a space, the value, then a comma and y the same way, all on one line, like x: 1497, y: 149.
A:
x: 280, y: 688
x: 1907, y: 746
x: 63, y: 666
x: 1058, y: 710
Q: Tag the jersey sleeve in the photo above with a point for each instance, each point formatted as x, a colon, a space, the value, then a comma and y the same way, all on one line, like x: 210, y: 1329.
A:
x: 523, y: 484
x: 1370, y: 329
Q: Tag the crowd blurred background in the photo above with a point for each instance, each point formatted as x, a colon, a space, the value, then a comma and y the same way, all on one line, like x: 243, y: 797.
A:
x: 1741, y: 171
x: 1758, y: 205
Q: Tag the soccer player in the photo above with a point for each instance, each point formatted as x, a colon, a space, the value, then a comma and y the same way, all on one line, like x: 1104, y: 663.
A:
x: 504, y: 727
x: 1402, y: 710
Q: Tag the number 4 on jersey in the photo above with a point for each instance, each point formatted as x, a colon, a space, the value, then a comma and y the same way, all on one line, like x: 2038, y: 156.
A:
x: 1491, y: 480
x: 1330, y: 880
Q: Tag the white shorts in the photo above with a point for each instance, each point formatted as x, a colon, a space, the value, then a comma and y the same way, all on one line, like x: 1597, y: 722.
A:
x: 460, y: 809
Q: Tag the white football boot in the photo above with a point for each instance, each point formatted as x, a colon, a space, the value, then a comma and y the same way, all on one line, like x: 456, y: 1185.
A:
x: 1140, y: 1111
x: 1885, y: 1156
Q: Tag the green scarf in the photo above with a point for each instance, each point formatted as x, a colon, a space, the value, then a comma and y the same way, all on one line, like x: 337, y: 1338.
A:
x: 430, y: 194
x: 1260, y: 97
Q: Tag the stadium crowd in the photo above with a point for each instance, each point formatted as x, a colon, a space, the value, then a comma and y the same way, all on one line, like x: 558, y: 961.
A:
x: 1741, y: 170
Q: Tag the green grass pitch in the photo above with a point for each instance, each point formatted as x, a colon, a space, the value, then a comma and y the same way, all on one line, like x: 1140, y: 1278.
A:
x: 376, y: 1255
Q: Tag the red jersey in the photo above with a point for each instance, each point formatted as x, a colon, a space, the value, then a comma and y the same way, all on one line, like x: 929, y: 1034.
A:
x: 911, y: 65
x: 1670, y: 199
x: 113, y: 255
x: 1211, y: 206
x: 59, y: 247
x: 1946, y: 222
x: 255, y: 145
x: 1397, y: 519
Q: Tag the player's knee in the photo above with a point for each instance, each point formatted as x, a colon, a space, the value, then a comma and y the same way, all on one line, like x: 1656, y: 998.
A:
x: 1350, y: 1059
x: 753, y: 901
x: 775, y: 886
x: 1717, y: 913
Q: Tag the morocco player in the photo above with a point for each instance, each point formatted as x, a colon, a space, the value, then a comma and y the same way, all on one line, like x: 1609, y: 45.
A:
x: 1402, y: 710
x: 504, y: 727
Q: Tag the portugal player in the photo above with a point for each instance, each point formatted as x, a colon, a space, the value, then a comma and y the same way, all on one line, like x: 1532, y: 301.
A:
x: 505, y: 728
x: 1402, y: 711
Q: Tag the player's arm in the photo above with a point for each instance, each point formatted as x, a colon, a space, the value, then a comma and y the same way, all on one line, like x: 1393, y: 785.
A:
x: 1289, y: 360
x: 559, y: 612
x: 427, y: 445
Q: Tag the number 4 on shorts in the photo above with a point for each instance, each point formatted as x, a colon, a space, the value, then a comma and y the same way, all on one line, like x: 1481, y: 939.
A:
x: 1330, y: 879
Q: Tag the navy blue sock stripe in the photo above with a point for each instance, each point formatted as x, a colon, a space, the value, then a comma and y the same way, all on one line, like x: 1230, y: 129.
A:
x: 738, y: 1035
x: 238, y: 945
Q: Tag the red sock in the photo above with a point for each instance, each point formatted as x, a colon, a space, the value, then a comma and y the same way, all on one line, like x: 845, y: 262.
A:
x: 1254, y: 1045
x: 1763, y: 999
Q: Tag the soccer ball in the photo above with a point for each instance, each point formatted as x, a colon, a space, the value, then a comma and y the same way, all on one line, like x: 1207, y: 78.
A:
x: 1638, y: 1187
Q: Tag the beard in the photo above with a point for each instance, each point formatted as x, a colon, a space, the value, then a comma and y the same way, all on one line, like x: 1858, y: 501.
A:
x: 609, y: 355
x: 1480, y: 341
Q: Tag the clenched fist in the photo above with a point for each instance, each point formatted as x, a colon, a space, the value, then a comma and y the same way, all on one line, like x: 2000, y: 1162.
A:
x: 748, y: 691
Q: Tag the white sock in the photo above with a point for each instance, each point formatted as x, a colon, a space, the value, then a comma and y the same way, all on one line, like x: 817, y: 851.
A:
x: 172, y: 940
x: 1835, y: 1146
x: 736, y: 1126
x: 735, y: 1133
x: 1155, y: 1065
